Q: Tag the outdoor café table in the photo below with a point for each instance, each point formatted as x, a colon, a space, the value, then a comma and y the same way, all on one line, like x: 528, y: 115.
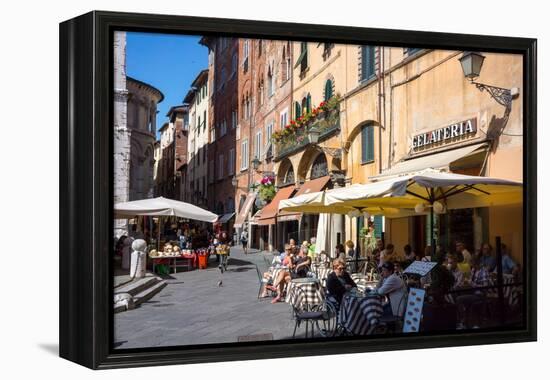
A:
x: 362, y: 281
x: 311, y: 292
x: 359, y: 313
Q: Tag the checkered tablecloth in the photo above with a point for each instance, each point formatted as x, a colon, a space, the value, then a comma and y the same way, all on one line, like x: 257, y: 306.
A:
x: 360, y: 315
x: 362, y: 281
x: 322, y: 274
x: 310, y: 295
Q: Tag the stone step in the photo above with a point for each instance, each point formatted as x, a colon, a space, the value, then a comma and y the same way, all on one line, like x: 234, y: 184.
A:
x: 137, y: 286
x: 148, y: 293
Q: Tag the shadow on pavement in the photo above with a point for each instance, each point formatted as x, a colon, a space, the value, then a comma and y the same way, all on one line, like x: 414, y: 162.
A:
x: 238, y: 262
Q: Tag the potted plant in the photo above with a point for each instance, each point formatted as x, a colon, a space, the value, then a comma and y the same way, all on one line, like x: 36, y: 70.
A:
x: 266, y: 189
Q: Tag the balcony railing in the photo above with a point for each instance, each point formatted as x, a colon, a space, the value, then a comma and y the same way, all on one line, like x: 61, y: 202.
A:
x: 328, y: 126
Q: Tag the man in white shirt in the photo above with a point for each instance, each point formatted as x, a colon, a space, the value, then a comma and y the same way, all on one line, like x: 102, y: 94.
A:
x: 462, y: 252
x: 392, y: 286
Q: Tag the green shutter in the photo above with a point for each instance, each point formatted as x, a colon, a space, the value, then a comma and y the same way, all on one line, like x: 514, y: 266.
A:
x: 367, y: 144
x: 328, y: 90
x: 367, y: 62
x: 298, y: 110
x: 308, y: 103
x: 378, y: 225
x: 370, y: 152
x: 364, y: 144
x: 303, y: 55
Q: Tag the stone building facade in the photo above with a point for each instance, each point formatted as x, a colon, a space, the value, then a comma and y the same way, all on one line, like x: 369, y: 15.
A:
x: 264, y: 107
x: 177, y: 117
x: 223, y: 68
x: 135, y: 108
x: 197, y: 165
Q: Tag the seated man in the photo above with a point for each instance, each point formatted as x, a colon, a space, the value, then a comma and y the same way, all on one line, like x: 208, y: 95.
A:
x: 393, y: 287
x: 339, y: 281
x: 452, y: 266
x: 509, y: 266
x: 486, y: 258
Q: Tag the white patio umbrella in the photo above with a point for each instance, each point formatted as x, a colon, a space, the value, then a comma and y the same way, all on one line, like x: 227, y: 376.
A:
x: 322, y: 239
x: 163, y: 207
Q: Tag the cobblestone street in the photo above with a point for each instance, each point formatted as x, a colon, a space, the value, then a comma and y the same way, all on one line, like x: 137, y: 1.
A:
x: 193, y: 309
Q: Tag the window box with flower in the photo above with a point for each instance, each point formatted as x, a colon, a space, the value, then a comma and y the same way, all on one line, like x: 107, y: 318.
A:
x: 293, y: 136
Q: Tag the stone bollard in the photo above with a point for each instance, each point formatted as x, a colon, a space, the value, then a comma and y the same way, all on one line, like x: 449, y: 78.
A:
x: 137, y: 265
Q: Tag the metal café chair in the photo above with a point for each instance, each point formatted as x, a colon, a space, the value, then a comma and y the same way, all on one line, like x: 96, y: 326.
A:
x: 323, y: 316
x: 394, y: 323
x: 263, y: 282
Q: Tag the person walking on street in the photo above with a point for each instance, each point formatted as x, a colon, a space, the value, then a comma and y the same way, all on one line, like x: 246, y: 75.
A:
x: 244, y: 241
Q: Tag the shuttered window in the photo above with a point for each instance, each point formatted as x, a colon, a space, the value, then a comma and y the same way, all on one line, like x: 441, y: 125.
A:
x: 367, y: 144
x: 367, y: 62
x: 328, y: 90
x: 297, y: 110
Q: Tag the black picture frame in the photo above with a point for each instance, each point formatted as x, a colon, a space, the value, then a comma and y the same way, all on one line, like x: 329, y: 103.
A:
x: 86, y: 206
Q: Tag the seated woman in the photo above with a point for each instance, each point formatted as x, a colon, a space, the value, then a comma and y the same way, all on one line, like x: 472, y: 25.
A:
x: 339, y: 281
x: 298, y: 268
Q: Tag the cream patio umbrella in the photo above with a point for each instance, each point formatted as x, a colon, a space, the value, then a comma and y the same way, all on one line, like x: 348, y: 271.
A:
x: 431, y: 189
x: 316, y: 203
x: 163, y: 207
x: 411, y: 194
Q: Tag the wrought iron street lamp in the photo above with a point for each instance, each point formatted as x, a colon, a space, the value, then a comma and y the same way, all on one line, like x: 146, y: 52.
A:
x: 313, y: 135
x: 472, y: 63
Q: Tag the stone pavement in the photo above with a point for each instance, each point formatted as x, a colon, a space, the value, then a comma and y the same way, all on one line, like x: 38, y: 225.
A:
x: 192, y: 309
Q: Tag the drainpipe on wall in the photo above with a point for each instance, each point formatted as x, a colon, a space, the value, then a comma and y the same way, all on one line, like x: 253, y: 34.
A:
x: 380, y: 97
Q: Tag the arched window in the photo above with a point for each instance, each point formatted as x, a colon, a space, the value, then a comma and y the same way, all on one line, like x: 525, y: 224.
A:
x: 289, y: 176
x: 328, y: 90
x: 319, y: 167
x: 261, y: 92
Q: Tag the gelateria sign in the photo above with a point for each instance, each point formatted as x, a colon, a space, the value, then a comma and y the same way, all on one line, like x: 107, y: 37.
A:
x: 450, y: 133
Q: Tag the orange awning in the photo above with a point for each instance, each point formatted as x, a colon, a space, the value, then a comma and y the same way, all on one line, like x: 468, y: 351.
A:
x: 241, y: 216
x: 312, y: 186
x: 269, y: 212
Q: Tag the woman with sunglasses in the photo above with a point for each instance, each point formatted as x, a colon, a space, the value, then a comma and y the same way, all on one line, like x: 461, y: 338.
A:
x: 339, y: 281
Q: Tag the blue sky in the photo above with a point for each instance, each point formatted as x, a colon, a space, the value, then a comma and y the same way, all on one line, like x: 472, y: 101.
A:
x: 167, y: 62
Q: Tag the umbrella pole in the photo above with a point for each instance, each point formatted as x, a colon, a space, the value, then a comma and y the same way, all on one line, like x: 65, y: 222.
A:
x: 432, y: 231
x: 158, y: 235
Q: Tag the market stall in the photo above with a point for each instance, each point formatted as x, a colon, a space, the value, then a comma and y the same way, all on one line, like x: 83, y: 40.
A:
x: 169, y: 253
